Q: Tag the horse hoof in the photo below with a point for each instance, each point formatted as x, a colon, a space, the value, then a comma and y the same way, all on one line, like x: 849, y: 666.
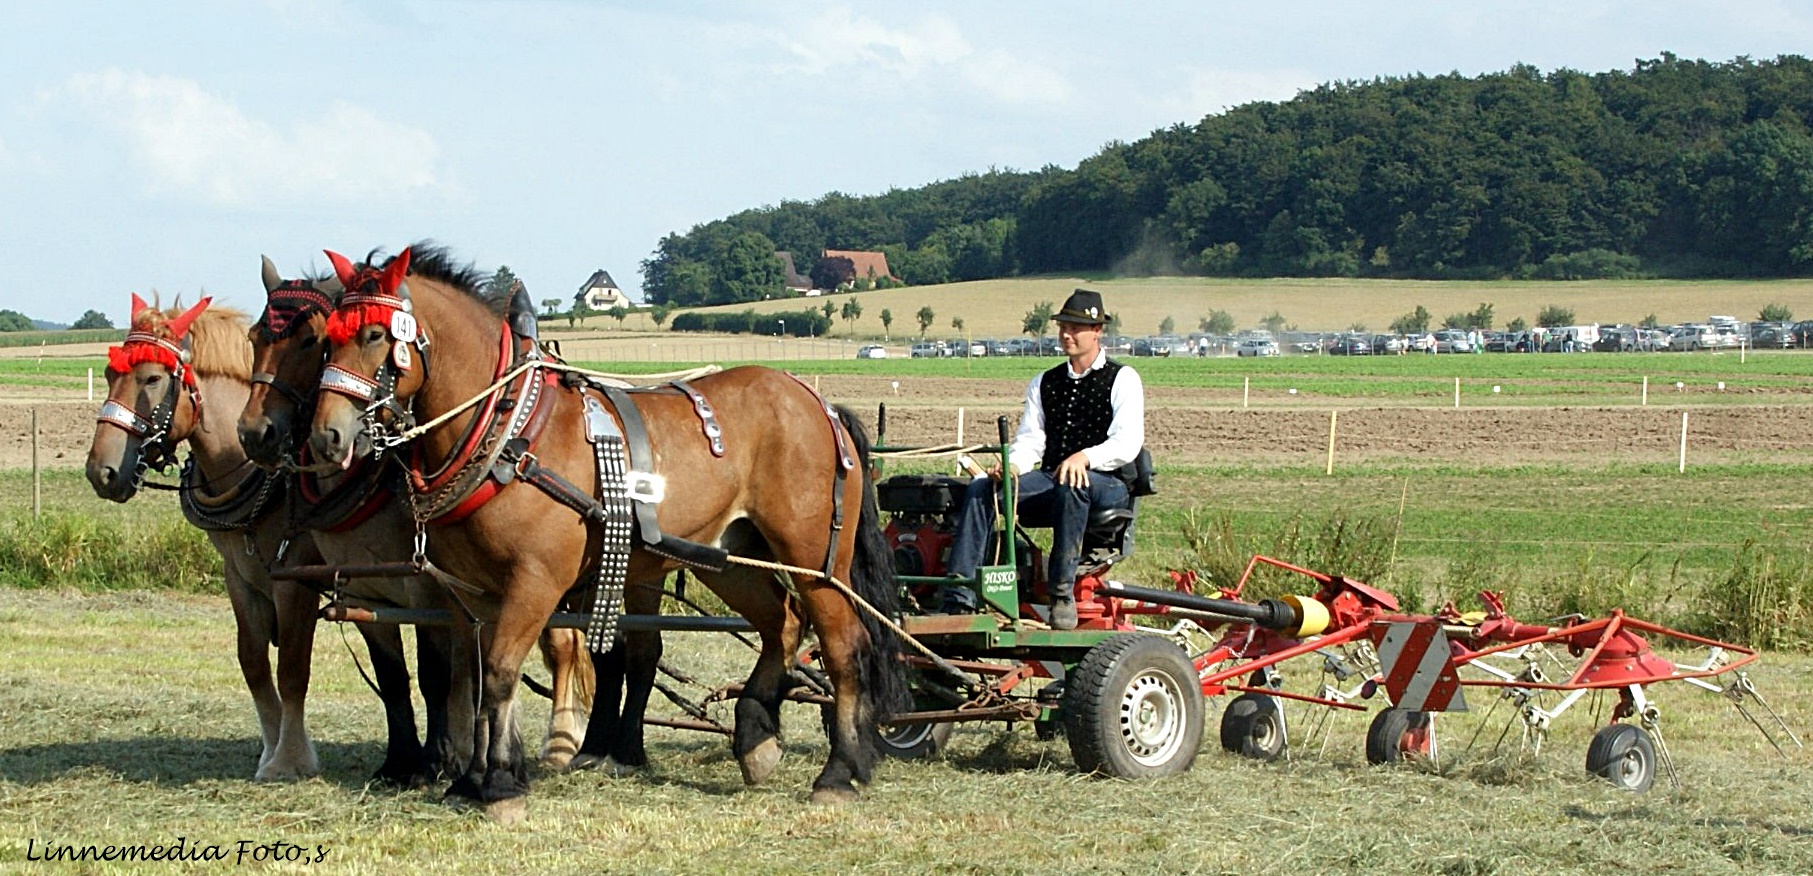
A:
x: 760, y: 762
x: 277, y: 771
x: 508, y: 812
x: 559, y: 761
x: 832, y: 796
x: 606, y: 764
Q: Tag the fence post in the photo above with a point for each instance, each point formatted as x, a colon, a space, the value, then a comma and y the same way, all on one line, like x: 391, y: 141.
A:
x: 1457, y: 392
x: 1246, y: 390
x: 1683, y: 466
x: 1331, y: 441
x: 37, y: 494
x: 1645, y: 401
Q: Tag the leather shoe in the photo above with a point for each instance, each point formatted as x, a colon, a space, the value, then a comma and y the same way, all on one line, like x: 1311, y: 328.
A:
x: 1063, y: 613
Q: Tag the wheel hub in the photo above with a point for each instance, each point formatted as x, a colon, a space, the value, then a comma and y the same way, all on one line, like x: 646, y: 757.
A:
x: 1151, y: 718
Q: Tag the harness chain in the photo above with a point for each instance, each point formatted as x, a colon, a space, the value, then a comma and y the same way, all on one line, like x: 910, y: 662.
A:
x: 243, y: 507
x: 481, y: 462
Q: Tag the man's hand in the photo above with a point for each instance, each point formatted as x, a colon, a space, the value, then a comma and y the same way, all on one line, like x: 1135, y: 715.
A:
x: 1074, y: 471
x: 995, y: 471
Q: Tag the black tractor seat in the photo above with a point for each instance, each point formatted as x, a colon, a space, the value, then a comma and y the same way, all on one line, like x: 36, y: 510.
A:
x: 1107, y: 521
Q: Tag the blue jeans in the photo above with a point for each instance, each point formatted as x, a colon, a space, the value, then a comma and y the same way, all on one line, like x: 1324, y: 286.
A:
x: 1042, y: 503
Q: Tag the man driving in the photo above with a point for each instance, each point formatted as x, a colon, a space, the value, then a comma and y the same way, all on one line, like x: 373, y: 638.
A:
x: 1082, y: 422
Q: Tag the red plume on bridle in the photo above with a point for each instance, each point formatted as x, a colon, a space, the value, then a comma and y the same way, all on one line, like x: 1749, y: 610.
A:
x: 372, y: 295
x: 154, y: 339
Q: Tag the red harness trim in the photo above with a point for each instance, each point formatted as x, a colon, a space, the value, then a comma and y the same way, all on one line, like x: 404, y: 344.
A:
x: 457, y: 461
x: 487, y: 488
x: 309, y: 488
x: 531, y: 432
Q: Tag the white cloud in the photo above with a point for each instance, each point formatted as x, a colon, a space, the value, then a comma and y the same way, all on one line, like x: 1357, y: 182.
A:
x: 1016, y: 81
x: 834, y: 41
x: 196, y: 144
x: 834, y: 36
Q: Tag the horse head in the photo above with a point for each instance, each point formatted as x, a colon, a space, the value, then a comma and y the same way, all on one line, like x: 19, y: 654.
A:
x: 374, y: 361
x: 289, y: 351
x: 153, y: 403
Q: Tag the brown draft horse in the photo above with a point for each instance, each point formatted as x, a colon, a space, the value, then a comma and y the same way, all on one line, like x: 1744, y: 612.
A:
x: 768, y: 497
x: 288, y: 353
x: 182, y: 377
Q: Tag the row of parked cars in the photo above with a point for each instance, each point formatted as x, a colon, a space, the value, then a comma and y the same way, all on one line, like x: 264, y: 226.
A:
x: 1716, y: 333
x: 959, y: 348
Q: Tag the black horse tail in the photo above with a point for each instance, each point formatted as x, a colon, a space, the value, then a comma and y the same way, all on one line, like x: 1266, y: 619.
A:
x: 883, y: 673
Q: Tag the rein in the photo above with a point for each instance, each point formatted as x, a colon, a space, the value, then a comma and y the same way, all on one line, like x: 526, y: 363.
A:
x: 503, y: 382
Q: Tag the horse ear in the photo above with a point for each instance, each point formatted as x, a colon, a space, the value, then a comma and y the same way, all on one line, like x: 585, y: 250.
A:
x: 271, y: 278
x: 180, y: 325
x: 138, y: 307
x: 396, y: 271
x: 342, y: 268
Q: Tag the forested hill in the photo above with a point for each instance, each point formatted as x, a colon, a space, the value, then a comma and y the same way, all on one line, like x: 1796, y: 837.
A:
x: 1674, y: 168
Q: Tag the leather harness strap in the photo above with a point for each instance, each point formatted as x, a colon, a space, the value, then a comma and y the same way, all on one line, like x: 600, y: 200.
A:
x: 845, y: 464
x: 708, y: 421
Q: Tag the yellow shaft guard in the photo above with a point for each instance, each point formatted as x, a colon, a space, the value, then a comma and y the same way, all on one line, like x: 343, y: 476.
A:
x: 1312, y: 616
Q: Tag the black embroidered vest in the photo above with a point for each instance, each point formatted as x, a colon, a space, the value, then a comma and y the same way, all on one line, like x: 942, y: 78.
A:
x: 1077, y: 412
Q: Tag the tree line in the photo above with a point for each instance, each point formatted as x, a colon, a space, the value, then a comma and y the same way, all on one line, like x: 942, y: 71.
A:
x: 1675, y: 167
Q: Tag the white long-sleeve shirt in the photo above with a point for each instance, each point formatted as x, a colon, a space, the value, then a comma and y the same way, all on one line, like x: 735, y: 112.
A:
x: 1126, y: 432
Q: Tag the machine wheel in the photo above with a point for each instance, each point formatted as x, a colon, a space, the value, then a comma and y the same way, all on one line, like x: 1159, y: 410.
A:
x: 1624, y: 755
x: 904, y: 741
x: 1396, y: 733
x: 1133, y: 708
x: 1253, y: 726
x: 913, y: 741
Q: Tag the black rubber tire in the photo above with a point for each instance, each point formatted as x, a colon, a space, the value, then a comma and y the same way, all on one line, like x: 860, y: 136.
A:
x: 1132, y: 708
x: 1253, y: 726
x: 913, y: 741
x: 1396, y: 733
x: 1624, y: 755
x: 904, y: 741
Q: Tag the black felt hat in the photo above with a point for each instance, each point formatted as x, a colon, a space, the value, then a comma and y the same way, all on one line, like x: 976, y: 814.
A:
x: 1083, y: 306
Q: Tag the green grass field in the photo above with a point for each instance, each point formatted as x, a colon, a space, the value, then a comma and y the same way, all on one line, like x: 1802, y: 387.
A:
x: 127, y: 723
x: 124, y: 720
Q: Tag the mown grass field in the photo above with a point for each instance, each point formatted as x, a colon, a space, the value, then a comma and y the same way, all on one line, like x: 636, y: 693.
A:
x: 126, y: 722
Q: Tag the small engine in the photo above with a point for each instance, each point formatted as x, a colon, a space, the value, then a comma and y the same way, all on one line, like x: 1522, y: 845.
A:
x: 922, y: 522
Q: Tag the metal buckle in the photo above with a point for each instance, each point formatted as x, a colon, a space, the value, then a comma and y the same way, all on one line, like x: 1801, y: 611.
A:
x: 645, y: 486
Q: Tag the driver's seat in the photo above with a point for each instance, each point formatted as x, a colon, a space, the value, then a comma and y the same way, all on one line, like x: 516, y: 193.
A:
x: 1108, y: 537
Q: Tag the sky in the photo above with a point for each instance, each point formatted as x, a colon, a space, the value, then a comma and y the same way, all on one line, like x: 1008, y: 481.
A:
x: 163, y: 147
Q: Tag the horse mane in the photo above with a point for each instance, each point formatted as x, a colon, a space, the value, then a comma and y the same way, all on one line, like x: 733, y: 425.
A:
x: 434, y: 262
x: 218, y: 341
x: 219, y: 344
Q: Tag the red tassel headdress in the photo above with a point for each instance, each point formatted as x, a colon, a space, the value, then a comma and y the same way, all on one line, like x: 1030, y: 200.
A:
x: 372, y: 295
x: 154, y: 338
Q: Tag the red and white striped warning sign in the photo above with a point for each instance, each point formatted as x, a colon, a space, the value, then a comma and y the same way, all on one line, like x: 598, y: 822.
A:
x: 1418, y: 673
